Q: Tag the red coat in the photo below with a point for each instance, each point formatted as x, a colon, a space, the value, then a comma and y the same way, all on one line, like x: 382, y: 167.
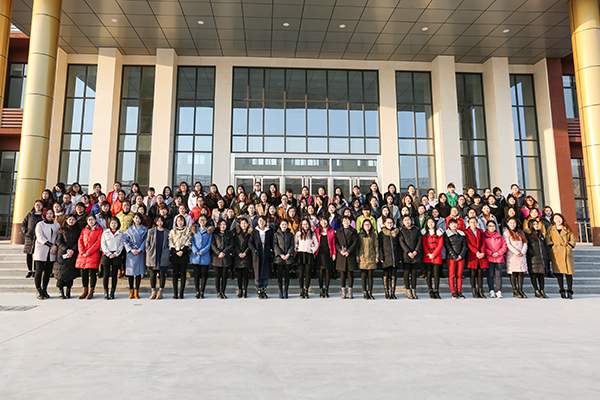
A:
x: 116, y: 207
x: 330, y: 240
x: 195, y: 213
x: 460, y: 223
x: 109, y: 197
x: 433, y: 244
x: 474, y: 245
x: 89, y: 243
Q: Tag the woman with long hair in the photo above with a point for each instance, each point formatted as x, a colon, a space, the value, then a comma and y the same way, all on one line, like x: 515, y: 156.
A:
x: 222, y: 246
x: 242, y: 256
x: 88, y: 258
x: 167, y: 195
x: 213, y: 196
x: 261, y: 244
x: 516, y: 260
x: 390, y: 256
x: 368, y: 257
x: 283, y: 248
x: 66, y: 256
x: 273, y: 195
x: 433, y: 244
x: 561, y: 240
x: 157, y: 256
x: 200, y: 255
x: 537, y: 257
x: 111, y: 261
x: 325, y: 255
x: 346, y: 240
x: 442, y: 206
x: 411, y: 243
x: 374, y: 192
x: 134, y: 241
x: 476, y: 260
x: 494, y: 248
x: 180, y: 244
x: 306, y: 246
x: 46, y: 233
x: 293, y: 220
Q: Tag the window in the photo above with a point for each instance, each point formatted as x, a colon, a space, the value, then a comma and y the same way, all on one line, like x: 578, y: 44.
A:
x: 473, y: 136
x: 194, y: 127
x: 415, y: 130
x: 529, y: 165
x: 305, y: 111
x: 77, y: 125
x: 15, y: 91
x: 135, y: 126
x: 9, y: 161
x: 580, y: 190
x: 570, y: 91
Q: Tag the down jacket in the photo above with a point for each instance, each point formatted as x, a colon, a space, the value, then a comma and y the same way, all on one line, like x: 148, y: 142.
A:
x: 64, y: 268
x: 514, y: 262
x: 494, y: 243
x: 433, y: 243
x: 368, y: 250
x: 89, y: 243
x: 28, y: 229
x: 222, y: 242
x: 241, y: 245
x: 411, y: 240
x: 45, y: 237
x: 537, y: 252
x: 389, y: 248
x: 455, y: 244
x: 284, y: 243
x: 201, y: 243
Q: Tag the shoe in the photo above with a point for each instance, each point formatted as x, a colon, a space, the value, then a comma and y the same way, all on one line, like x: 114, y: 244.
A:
x: 202, y: 295
x: 181, y: 293
x: 455, y: 296
x: 130, y: 294
x: 244, y: 294
x: 365, y: 295
x: 306, y: 293
x: 45, y: 291
x: 281, y: 294
x: 327, y: 293
x: 61, y: 294
x: 481, y: 295
x: 350, y: 294
x: 437, y: 295
x: 522, y: 293
x: 83, y: 294
x: 414, y: 294
x: 371, y: 295
x: 175, y: 296
x: 112, y: 294
x: 40, y: 295
x: 264, y: 293
x: 159, y: 295
x: 106, y: 295
x: 461, y: 296
x: 492, y: 294
x: 516, y: 294
x: 68, y: 293
x: 475, y: 294
x: 409, y: 294
x: 344, y: 293
x: 29, y: 274
x: 321, y: 295
x: 570, y: 294
x: 544, y: 296
x: 538, y: 294
x: 285, y: 294
x: 393, y: 293
x: 90, y: 294
x: 423, y: 276
x: 432, y: 294
x: 197, y: 295
x: 499, y: 295
x: 153, y: 295
x: 259, y: 293
x: 136, y: 293
x: 563, y: 294
x: 240, y: 293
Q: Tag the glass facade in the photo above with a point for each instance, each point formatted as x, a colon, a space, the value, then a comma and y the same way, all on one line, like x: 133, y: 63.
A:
x: 194, y: 126
x: 415, y: 130
x: 473, y: 136
x: 135, y: 126
x: 527, y: 142
x: 305, y: 111
x: 570, y: 92
x: 78, y: 122
x: 15, y: 88
x: 9, y: 162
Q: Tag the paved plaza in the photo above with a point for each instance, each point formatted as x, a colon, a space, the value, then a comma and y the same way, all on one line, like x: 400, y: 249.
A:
x: 299, y: 349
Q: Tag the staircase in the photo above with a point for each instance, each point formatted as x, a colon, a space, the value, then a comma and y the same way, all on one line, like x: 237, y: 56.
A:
x: 586, y: 280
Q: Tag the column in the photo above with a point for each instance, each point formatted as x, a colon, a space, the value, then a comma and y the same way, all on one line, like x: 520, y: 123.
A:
x: 221, y: 170
x: 446, y: 130
x: 585, y: 35
x: 39, y: 91
x: 499, y: 123
x: 105, y: 132
x: 5, y: 17
x: 163, y: 118
x: 388, y: 128
x: 58, y: 113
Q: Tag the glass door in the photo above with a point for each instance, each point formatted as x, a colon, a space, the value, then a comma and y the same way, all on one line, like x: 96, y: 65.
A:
x: 316, y: 183
x: 345, y: 184
x: 294, y: 183
x: 246, y: 181
x: 9, y: 161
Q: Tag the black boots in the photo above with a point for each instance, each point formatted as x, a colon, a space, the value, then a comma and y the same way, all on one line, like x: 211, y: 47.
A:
x: 106, y: 295
x: 40, y: 295
x: 475, y: 293
x: 570, y: 294
x: 240, y: 293
x: 432, y: 294
x: 61, y: 293
x: 481, y: 294
x: 68, y: 293
x: 386, y: 287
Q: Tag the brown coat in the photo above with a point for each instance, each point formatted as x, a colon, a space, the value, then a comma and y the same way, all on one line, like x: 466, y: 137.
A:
x: 368, y: 251
x: 561, y: 250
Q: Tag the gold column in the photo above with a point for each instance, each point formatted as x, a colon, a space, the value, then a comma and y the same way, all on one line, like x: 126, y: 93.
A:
x: 5, y: 17
x: 39, y: 92
x: 585, y: 35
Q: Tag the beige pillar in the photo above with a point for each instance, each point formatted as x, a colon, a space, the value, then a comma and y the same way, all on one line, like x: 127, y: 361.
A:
x: 585, y: 28
x: 446, y: 130
x: 221, y: 159
x: 546, y: 135
x: 39, y: 92
x: 499, y: 123
x: 388, y: 128
x: 58, y: 112
x: 105, y: 131
x: 163, y: 118
x: 5, y: 18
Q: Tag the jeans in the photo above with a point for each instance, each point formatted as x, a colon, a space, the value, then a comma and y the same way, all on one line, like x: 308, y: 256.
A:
x: 494, y: 276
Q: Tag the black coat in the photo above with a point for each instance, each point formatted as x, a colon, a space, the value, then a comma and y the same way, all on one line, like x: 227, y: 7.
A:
x: 455, y: 245
x: 240, y: 245
x: 221, y: 243
x: 350, y: 242
x: 261, y: 255
x: 411, y: 240
x: 537, y: 253
x: 28, y: 229
x: 284, y: 243
x: 64, y: 268
x: 389, y: 248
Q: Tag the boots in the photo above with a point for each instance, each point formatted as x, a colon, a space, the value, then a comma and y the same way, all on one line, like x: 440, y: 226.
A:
x: 240, y: 293
x: 90, y: 294
x: 475, y: 293
x: 393, y: 291
x: 68, y: 294
x: 244, y: 294
x: 563, y: 294
x: 366, y: 295
x: 83, y: 294
x: 131, y: 294
x: 136, y: 293
x: 40, y: 295
x: 386, y: 287
x: 181, y: 293
x: 61, y: 293
x: 159, y: 295
x: 281, y: 294
x: 265, y: 296
x: 326, y: 293
x: 153, y: 295
x: 481, y: 295
x: 350, y: 294
x: 544, y: 296
x: 538, y: 294
x: 112, y: 294
x: 106, y: 295
x: 409, y: 294
x: 259, y: 293
x: 432, y: 294
x: 344, y: 293
x: 285, y: 294
x: 437, y: 295
x: 45, y: 291
x: 414, y: 294
x: 570, y: 294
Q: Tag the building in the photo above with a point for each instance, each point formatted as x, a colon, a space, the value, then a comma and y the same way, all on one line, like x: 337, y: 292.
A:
x: 327, y: 93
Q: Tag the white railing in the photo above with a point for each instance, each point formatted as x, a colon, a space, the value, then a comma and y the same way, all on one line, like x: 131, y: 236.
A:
x: 585, y: 232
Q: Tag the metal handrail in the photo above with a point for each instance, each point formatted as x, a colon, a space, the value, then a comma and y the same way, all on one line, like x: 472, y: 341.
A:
x: 585, y: 232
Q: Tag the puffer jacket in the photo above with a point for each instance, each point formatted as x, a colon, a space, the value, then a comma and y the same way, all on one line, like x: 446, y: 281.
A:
x: 201, y: 243
x: 89, y: 243
x: 455, y: 244
x: 494, y: 243
x: 433, y: 243
x: 284, y: 243
x: 308, y: 245
x: 389, y: 248
x: 368, y: 250
x: 241, y: 246
x: 221, y: 243
x: 537, y: 253
x: 514, y: 262
x: 45, y: 237
x: 28, y: 229
x: 64, y: 268
x: 411, y: 240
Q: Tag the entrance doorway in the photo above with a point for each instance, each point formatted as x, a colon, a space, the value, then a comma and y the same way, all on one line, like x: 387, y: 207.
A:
x: 9, y: 161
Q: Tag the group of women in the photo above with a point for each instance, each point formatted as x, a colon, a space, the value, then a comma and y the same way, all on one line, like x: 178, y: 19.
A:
x: 270, y: 234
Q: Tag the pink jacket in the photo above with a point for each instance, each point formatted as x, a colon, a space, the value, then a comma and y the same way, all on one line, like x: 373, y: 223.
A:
x: 494, y: 243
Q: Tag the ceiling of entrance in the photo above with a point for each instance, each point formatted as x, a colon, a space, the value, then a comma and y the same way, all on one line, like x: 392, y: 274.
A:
x: 409, y: 30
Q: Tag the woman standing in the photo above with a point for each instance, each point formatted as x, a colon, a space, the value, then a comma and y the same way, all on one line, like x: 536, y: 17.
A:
x: 326, y: 254
x: 125, y: 216
x: 516, y: 262
x: 28, y: 229
x: 213, y: 197
x: 368, y: 257
x: 59, y: 216
x: 200, y: 256
x: 537, y: 258
x: 242, y: 263
x: 411, y: 243
x: 306, y: 246
x: 494, y: 248
x: 262, y: 207
x: 111, y: 261
x: 456, y: 250
x: 293, y: 220
x: 433, y: 244
x: 283, y: 247
x: 64, y: 267
x: 134, y: 241
x: 273, y: 219
x: 222, y: 246
x: 346, y: 240
x: 88, y: 258
x: 46, y: 233
x: 167, y: 195
x: 476, y: 260
x: 261, y: 244
x: 157, y: 256
x: 374, y: 192
x: 104, y: 216
x: 389, y: 252
x: 241, y: 206
x: 561, y: 240
x: 180, y: 243
x: 442, y: 206
x: 332, y: 217
x: 274, y: 197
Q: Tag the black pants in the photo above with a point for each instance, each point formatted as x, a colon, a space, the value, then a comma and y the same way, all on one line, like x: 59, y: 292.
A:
x: 283, y: 276
x: 516, y: 280
x: 137, y: 279
x: 434, y: 271
x: 476, y: 274
x: 304, y: 273
x: 179, y: 271
x: 242, y: 275
x: 560, y: 279
x: 349, y: 275
x: 162, y: 278
x: 221, y: 279
x: 200, y: 276
x: 30, y: 262
x: 390, y: 274
x: 410, y: 275
x: 324, y: 278
x: 89, y: 277
x: 537, y: 279
x: 110, y: 269
x: 61, y: 283
x: 366, y: 278
x: 43, y: 269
